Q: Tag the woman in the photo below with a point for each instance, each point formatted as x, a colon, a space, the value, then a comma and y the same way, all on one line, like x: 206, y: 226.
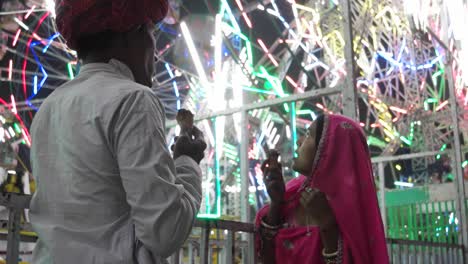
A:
x: 329, y: 214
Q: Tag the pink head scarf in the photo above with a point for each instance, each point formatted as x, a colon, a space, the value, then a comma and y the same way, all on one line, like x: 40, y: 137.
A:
x: 342, y: 170
x: 76, y: 18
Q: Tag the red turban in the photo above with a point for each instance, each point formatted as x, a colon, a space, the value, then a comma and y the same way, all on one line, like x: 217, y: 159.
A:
x: 77, y: 18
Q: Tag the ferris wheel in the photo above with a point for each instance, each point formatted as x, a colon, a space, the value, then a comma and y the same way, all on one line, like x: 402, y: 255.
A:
x: 252, y: 51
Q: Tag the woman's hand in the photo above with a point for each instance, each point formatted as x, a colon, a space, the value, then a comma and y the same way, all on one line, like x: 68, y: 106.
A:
x: 317, y: 207
x: 274, y: 182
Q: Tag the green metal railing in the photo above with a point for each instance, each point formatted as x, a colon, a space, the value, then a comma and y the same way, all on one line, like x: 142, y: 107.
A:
x: 424, y: 221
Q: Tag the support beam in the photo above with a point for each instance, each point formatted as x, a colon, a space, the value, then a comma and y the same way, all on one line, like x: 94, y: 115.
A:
x: 383, y: 208
x: 13, y: 237
x: 350, y: 102
x: 407, y: 156
x: 268, y: 103
x: 244, y: 173
x: 461, y: 205
x: 205, y: 245
x: 229, y: 248
x: 245, y: 184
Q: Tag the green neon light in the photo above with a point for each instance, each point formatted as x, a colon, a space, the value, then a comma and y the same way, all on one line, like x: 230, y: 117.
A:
x: 305, y: 112
x: 443, y: 147
x: 17, y: 128
x: 275, y: 84
x: 429, y: 101
x: 274, y: 81
x: 70, y: 71
x: 442, y: 85
x: 207, y: 194
x: 407, y: 141
x: 294, y: 132
x: 437, y: 74
x: 229, y: 146
x: 252, y: 199
x: 231, y: 156
x: 231, y: 152
x: 209, y: 216
x: 373, y: 141
x: 294, y: 127
x: 226, y: 8
x: 465, y: 163
x: 248, y: 45
x: 209, y: 212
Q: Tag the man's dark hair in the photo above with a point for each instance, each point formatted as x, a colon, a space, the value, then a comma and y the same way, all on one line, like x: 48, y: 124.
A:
x: 95, y: 43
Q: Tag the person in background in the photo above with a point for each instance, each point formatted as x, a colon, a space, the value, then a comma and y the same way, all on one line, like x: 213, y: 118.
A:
x: 108, y: 189
x: 329, y: 214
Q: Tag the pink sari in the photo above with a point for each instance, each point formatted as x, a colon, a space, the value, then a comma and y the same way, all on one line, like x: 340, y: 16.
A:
x: 342, y: 170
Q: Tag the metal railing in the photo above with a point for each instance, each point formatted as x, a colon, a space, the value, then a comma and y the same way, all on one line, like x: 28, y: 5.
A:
x: 400, y: 251
x: 225, y: 242
x: 216, y: 241
x: 418, y: 252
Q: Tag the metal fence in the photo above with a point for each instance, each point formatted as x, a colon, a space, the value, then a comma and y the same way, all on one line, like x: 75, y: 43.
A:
x: 424, y: 221
x: 224, y: 251
x: 217, y: 242
x: 418, y: 252
x: 227, y: 242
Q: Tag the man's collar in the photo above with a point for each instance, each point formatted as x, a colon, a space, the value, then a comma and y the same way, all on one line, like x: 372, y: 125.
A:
x: 113, y: 65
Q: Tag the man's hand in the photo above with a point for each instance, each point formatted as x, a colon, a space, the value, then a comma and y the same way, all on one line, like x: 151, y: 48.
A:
x: 193, y: 146
x: 185, y: 120
x: 191, y: 141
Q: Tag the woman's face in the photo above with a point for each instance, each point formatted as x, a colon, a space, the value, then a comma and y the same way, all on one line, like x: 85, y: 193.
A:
x: 306, y: 152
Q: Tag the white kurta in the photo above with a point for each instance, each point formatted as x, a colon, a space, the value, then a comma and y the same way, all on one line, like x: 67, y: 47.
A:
x: 105, y: 177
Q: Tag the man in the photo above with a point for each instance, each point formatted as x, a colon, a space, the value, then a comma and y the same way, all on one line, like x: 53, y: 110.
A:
x: 108, y: 190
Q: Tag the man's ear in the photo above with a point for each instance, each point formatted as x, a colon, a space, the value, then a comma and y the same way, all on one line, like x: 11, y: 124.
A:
x: 128, y: 38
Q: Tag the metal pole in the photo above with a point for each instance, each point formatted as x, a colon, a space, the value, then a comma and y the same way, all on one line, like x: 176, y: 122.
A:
x: 244, y: 164
x: 350, y: 107
x: 268, y: 103
x: 407, y: 156
x: 13, y: 238
x: 191, y: 258
x: 229, y: 248
x: 383, y: 211
x: 245, y: 206
x: 204, y: 245
x: 461, y: 205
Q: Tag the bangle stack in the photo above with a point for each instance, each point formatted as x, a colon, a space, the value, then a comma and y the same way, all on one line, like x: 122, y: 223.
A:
x: 268, y: 231
x: 335, y: 257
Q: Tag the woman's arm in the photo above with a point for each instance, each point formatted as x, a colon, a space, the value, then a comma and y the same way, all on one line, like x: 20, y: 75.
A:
x: 329, y: 236
x: 273, y: 219
x: 276, y: 188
